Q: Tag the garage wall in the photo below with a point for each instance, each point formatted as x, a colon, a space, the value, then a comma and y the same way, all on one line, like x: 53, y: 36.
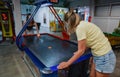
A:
x: 107, y: 24
x: 101, y: 2
x: 106, y: 15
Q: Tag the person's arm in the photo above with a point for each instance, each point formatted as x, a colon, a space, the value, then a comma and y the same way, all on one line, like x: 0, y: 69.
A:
x: 38, y: 34
x: 23, y: 23
x: 78, y: 53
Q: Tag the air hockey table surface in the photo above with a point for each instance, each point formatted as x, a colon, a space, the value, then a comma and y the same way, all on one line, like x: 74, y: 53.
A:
x: 49, y: 49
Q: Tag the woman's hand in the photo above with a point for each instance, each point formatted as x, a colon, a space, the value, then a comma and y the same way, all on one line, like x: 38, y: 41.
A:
x: 75, y: 52
x: 63, y: 65
x: 38, y: 35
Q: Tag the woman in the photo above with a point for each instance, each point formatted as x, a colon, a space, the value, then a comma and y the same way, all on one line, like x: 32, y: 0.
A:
x: 31, y: 25
x: 89, y: 35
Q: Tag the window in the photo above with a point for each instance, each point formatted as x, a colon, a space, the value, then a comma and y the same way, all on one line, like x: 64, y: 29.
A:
x: 102, y: 11
x: 109, y: 8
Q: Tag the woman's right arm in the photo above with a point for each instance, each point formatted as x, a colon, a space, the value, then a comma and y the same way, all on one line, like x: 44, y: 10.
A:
x: 79, y: 52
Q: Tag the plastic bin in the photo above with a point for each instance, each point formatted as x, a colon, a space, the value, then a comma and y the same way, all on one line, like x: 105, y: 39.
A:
x: 0, y: 35
x: 113, y: 38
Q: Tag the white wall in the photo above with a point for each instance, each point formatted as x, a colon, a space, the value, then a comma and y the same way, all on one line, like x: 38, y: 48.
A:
x: 106, y: 17
x: 38, y: 16
x: 44, y: 11
x: 17, y: 16
x: 107, y: 24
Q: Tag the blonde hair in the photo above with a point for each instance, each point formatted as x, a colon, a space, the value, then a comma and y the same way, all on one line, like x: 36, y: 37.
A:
x: 70, y: 18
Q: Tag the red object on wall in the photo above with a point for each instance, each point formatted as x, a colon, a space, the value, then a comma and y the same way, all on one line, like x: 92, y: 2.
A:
x: 4, y: 16
x: 54, y: 1
x: 89, y: 19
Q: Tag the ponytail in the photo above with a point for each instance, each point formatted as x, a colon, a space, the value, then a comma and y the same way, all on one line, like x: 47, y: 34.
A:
x: 70, y: 18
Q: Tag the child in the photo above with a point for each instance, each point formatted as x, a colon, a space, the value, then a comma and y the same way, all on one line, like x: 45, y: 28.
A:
x: 89, y: 35
x: 31, y: 25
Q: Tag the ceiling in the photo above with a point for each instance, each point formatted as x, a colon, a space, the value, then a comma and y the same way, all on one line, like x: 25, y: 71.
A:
x: 22, y: 1
x: 61, y: 3
x: 27, y: 1
x: 32, y: 1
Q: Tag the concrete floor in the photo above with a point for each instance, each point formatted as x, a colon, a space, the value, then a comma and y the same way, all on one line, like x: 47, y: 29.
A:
x: 11, y: 64
x: 116, y: 73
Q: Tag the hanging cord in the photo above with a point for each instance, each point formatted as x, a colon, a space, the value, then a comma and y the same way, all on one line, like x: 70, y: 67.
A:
x: 64, y: 33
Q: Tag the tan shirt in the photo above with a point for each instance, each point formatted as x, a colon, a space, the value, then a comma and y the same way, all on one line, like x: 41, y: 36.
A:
x: 95, y: 38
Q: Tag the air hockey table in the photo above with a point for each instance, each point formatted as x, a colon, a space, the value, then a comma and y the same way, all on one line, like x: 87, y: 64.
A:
x: 44, y: 54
